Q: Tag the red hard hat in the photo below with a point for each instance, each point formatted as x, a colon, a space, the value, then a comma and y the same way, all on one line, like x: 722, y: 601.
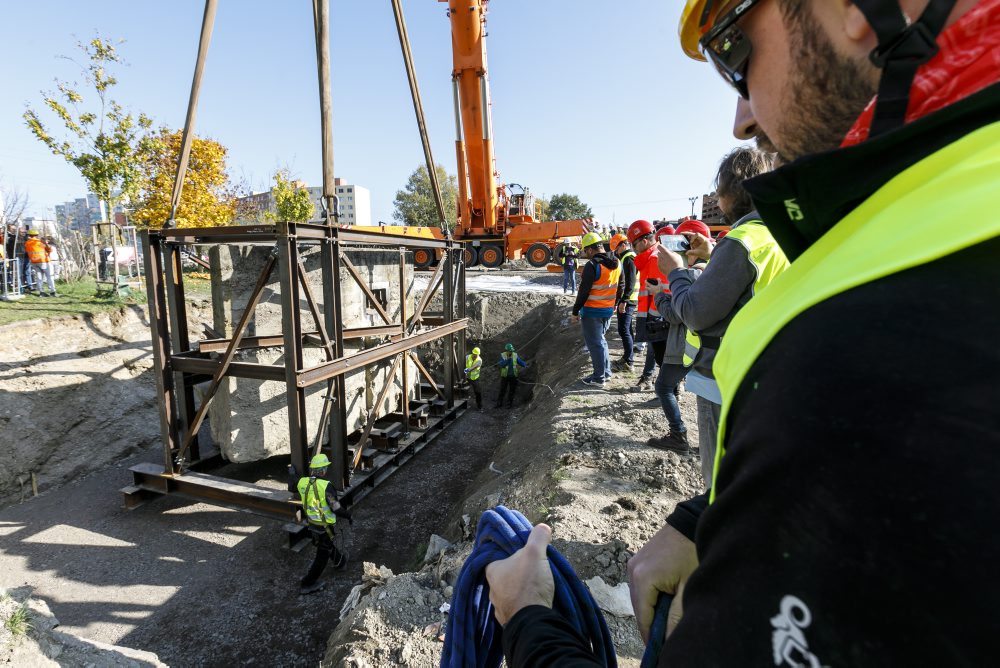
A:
x: 640, y: 228
x: 722, y: 235
x: 694, y: 227
x: 666, y: 230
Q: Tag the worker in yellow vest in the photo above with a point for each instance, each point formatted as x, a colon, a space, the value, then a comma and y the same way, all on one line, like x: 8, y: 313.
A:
x: 600, y: 290
x: 740, y: 267
x: 510, y: 365
x: 320, y: 506
x: 473, y: 366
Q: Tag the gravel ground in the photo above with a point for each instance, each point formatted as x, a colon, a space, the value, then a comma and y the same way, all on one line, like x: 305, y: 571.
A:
x: 201, y: 585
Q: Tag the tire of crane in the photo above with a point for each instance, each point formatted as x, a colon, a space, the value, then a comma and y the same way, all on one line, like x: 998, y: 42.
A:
x: 539, y: 255
x: 423, y: 258
x: 491, y: 255
x: 471, y: 256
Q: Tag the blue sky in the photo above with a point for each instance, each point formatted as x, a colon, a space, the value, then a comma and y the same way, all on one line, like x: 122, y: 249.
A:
x: 590, y: 97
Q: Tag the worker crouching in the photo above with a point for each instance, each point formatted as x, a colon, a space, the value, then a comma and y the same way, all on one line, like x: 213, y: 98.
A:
x: 319, y: 503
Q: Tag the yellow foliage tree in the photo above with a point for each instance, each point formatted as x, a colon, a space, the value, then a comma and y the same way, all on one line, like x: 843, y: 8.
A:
x: 207, y: 199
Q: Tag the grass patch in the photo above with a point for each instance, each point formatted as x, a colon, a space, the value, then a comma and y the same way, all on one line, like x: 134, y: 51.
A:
x: 75, y: 298
x: 19, y: 623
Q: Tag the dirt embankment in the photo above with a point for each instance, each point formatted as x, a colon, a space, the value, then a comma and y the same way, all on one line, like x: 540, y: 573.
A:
x: 575, y: 458
x: 75, y: 394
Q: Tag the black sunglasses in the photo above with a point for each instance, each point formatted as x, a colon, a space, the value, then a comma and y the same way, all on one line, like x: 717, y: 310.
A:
x: 729, y: 49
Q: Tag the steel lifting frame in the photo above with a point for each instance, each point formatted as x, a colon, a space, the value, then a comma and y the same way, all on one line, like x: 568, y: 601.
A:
x: 180, y: 365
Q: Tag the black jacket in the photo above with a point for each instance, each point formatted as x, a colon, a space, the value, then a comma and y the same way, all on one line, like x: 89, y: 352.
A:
x: 857, y: 512
x: 588, y: 276
x: 628, y: 278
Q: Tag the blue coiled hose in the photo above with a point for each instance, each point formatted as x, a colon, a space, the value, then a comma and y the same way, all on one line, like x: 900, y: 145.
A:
x: 474, y: 637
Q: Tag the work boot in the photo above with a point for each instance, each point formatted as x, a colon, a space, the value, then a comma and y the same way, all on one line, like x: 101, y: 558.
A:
x: 676, y: 441
x: 645, y: 383
x: 311, y: 589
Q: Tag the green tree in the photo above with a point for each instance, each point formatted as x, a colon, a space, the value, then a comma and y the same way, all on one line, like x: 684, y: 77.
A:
x: 291, y: 199
x: 567, y: 207
x: 415, y: 202
x: 106, y: 144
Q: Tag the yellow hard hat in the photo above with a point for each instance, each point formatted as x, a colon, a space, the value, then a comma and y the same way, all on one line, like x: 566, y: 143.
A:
x: 32, y: 233
x: 591, y: 238
x: 320, y: 461
x: 697, y: 17
x: 475, y: 351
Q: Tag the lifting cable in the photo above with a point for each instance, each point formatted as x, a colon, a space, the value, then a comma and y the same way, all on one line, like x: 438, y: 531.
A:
x: 474, y: 637
x: 187, y: 138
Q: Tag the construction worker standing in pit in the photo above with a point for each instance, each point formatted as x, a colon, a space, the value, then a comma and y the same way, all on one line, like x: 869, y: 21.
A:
x: 319, y: 503
x: 628, y: 300
x: 473, y: 366
x: 600, y: 290
x: 854, y: 513
x: 510, y: 365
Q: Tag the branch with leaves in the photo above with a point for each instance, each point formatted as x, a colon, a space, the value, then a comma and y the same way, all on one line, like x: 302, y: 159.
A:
x: 103, y: 141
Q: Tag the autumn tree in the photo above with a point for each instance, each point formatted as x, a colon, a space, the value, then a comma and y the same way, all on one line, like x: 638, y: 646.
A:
x: 415, y: 202
x: 292, y: 202
x: 567, y: 207
x: 207, y: 198
x: 103, y: 141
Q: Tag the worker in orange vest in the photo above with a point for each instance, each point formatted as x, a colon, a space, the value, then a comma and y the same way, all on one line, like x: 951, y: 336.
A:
x: 595, y: 304
x: 38, y: 255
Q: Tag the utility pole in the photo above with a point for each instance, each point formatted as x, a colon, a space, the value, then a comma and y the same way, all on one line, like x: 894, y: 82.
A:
x: 692, y: 200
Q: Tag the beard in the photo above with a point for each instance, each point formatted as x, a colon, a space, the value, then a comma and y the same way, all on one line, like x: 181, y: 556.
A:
x: 827, y: 92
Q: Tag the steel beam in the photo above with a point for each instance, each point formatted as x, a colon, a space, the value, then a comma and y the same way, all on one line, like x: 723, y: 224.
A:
x: 349, y: 363
x: 162, y: 370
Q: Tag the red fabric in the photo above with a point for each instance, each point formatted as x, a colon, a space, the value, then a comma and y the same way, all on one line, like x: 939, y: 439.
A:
x: 648, y: 265
x: 968, y: 62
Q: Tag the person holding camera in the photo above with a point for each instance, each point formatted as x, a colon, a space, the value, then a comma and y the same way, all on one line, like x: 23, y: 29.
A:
x: 744, y: 263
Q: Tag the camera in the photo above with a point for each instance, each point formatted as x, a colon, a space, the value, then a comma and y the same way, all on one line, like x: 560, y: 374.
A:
x: 675, y: 242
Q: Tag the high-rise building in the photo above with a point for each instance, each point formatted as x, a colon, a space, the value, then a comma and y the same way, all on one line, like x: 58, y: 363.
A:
x: 79, y: 214
x: 711, y: 214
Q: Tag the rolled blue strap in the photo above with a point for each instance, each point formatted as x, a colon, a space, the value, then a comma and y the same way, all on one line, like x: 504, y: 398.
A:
x: 474, y: 638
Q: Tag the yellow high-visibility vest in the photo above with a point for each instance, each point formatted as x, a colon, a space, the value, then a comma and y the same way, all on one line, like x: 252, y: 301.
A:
x: 768, y: 261
x: 889, y: 233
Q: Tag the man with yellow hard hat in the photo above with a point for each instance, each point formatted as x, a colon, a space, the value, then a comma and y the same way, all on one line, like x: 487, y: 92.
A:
x: 853, y: 511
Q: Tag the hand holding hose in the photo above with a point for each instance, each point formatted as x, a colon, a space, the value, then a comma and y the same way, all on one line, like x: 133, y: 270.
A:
x: 662, y: 565
x: 523, y: 579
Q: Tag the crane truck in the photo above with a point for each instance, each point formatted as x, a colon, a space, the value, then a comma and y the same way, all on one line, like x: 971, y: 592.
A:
x: 496, y: 222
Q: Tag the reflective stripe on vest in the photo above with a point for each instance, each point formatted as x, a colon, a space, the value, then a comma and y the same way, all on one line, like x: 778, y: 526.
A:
x: 513, y: 358
x: 887, y: 234
x: 35, y: 250
x: 634, y: 297
x: 605, y: 287
x: 312, y: 491
x: 768, y: 262
x: 473, y: 360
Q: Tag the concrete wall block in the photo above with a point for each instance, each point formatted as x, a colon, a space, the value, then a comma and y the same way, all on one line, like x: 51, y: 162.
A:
x: 249, y: 419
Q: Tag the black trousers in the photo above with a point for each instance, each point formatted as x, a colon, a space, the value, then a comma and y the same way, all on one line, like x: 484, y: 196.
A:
x: 507, y: 384
x: 324, y: 550
x: 478, y: 391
